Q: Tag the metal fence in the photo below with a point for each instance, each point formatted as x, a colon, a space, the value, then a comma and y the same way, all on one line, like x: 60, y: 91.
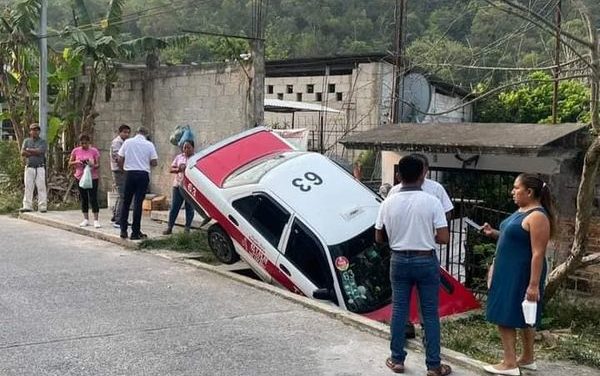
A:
x: 482, y: 196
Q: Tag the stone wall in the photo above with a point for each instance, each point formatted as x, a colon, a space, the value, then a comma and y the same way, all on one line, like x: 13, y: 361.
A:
x: 212, y: 100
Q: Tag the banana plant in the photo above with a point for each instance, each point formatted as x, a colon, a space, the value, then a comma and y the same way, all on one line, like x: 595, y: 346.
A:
x: 100, y: 45
x: 18, y: 64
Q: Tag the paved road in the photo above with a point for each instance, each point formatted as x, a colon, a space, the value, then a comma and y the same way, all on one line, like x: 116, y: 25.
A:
x: 71, y: 305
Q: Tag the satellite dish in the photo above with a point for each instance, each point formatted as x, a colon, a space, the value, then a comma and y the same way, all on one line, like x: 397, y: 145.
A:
x: 414, y: 98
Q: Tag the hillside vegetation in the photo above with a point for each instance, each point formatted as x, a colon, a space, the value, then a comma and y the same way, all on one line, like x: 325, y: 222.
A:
x: 440, y: 33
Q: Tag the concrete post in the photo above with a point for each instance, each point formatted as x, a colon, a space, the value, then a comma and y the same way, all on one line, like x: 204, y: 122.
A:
x: 258, y: 83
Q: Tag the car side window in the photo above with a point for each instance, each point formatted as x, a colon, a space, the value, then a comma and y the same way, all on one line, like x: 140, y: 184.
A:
x: 307, y: 254
x: 266, y: 216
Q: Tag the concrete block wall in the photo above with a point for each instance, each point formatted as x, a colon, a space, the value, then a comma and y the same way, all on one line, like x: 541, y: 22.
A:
x: 125, y: 107
x: 212, y: 100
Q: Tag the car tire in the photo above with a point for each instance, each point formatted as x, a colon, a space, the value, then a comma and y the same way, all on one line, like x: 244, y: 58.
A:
x: 221, y: 245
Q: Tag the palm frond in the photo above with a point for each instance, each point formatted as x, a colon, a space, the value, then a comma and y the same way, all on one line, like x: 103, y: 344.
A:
x: 114, y: 16
x: 141, y: 46
x: 81, y: 13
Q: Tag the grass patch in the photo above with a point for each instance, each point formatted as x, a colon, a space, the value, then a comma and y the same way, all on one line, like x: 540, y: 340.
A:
x: 473, y: 336
x: 194, y: 242
x: 570, y: 332
x: 10, y: 202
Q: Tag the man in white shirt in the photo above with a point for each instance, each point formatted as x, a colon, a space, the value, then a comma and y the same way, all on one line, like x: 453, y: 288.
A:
x: 429, y: 186
x: 136, y: 157
x: 414, y: 222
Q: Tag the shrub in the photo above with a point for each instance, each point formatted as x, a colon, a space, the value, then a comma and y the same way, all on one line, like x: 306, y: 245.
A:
x: 11, y: 167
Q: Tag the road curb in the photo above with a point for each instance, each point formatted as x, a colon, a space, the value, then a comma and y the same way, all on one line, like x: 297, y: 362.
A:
x: 86, y: 231
x: 348, y: 318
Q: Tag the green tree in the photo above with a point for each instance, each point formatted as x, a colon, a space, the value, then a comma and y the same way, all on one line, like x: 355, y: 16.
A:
x: 19, y: 64
x: 532, y: 102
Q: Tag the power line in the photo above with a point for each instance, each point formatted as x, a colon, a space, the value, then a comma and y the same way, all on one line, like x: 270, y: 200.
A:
x: 124, y: 20
x: 220, y: 34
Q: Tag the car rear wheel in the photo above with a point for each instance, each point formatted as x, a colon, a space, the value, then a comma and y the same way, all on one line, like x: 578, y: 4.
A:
x: 221, y: 245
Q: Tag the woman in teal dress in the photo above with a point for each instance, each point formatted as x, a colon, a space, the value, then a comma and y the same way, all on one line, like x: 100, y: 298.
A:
x: 519, y: 270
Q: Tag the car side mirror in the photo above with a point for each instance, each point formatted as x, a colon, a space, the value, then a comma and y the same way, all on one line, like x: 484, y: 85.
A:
x: 323, y: 294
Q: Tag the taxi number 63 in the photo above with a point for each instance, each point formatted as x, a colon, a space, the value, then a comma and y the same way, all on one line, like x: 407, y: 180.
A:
x: 306, y: 182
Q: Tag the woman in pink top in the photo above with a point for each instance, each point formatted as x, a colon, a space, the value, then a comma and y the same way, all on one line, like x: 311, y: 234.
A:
x: 81, y: 156
x: 177, y: 199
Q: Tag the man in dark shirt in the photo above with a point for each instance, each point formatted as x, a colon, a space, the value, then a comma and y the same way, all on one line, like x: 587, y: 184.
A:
x: 34, y: 150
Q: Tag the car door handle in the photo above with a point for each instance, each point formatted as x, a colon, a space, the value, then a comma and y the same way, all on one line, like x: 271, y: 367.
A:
x: 233, y: 220
x: 285, y: 270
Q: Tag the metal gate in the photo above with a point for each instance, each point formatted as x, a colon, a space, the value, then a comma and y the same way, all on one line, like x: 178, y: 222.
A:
x: 483, y: 196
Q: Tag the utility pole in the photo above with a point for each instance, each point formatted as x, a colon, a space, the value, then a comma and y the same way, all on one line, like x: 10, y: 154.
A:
x: 557, y: 63
x: 43, y: 88
x: 399, y: 12
x: 258, y: 67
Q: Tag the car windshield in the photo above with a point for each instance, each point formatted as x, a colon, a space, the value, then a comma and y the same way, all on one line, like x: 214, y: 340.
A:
x: 254, y: 171
x: 362, y: 269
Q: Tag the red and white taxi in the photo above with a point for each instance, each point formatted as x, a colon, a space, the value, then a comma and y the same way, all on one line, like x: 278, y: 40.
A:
x: 300, y: 221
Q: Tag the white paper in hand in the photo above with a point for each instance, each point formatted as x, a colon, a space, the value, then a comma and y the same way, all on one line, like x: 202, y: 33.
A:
x: 473, y: 224
x: 529, y: 311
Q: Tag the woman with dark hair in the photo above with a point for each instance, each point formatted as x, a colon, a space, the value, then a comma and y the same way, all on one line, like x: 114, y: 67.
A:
x: 519, y: 270
x: 82, y: 156
x: 177, y: 167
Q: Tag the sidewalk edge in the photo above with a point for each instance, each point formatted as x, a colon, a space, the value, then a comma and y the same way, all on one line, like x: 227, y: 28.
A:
x: 86, y: 231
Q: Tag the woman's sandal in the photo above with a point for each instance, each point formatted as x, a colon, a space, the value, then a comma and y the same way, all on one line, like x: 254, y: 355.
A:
x: 395, y: 367
x: 442, y: 370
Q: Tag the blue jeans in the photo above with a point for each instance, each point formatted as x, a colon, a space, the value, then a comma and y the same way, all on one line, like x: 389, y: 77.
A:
x: 423, y: 272
x: 176, y: 201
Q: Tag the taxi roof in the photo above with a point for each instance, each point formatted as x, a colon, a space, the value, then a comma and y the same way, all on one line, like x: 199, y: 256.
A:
x: 323, y: 195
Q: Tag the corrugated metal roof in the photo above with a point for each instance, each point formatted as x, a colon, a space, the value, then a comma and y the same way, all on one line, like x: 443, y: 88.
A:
x: 452, y: 137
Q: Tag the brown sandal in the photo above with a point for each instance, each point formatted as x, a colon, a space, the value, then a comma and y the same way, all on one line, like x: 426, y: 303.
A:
x: 442, y: 370
x: 395, y: 367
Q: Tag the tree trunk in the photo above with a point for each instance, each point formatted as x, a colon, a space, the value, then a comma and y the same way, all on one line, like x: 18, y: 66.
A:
x: 585, y: 198
x: 587, y: 185
x: 88, y: 113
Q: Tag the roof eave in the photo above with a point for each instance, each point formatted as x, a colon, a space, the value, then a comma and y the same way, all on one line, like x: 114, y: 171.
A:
x: 532, y: 150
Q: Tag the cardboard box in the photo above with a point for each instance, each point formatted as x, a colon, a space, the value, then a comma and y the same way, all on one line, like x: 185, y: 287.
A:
x: 159, y: 203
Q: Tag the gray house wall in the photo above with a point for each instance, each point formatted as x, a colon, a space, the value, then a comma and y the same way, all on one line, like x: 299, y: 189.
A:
x: 213, y: 100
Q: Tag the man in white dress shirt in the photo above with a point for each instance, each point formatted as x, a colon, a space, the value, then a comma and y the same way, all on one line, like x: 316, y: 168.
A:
x: 136, y: 157
x: 429, y: 186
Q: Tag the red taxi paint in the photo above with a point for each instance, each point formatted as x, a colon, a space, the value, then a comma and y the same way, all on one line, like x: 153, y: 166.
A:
x: 454, y: 298
x: 248, y: 244
x: 219, y: 164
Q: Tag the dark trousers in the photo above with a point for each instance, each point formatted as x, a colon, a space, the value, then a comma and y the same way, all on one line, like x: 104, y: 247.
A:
x: 89, y: 196
x: 136, y: 184
x: 176, y: 201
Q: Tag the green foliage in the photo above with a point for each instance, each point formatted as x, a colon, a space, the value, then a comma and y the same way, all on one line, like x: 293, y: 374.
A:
x: 580, y: 316
x: 11, y: 167
x: 472, y: 336
x: 481, y: 258
x: 10, y: 201
x: 532, y: 102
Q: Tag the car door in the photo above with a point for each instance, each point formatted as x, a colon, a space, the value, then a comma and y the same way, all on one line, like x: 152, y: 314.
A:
x: 304, y: 259
x: 262, y: 224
